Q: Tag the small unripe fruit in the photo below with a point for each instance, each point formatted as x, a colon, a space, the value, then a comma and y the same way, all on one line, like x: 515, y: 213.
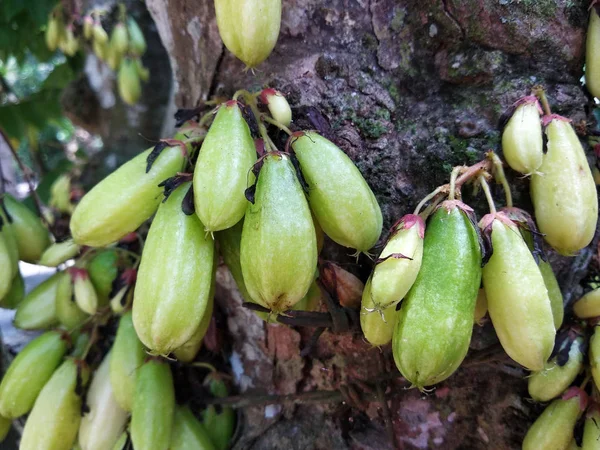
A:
x: 522, y: 140
x: 278, y: 106
x: 130, y: 87
x: 59, y: 253
x: 137, y: 42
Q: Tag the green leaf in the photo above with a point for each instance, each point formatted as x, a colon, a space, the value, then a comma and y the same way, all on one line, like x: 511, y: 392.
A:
x: 10, y: 8
x: 59, y: 78
x: 39, y: 10
x: 12, y: 122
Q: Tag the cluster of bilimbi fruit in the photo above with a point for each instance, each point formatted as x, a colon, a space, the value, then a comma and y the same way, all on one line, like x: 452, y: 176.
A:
x: 122, y: 52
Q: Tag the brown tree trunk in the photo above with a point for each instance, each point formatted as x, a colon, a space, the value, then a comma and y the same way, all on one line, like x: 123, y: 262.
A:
x: 411, y: 88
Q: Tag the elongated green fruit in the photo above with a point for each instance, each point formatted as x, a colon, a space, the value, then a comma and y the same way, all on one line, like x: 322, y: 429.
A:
x: 564, y: 192
x: 38, y: 310
x: 119, y: 39
x: 137, y: 42
x: 29, y: 372
x: 588, y: 306
x: 594, y: 357
x: 113, y: 57
x: 121, y: 202
x: 249, y: 28
x: 127, y: 356
x: 592, y: 50
x: 170, y: 299
x: 7, y: 272
x: 219, y: 425
x: 339, y: 196
x: 128, y: 80
x: 56, y: 414
x: 53, y: 31
x: 522, y: 140
x: 434, y: 327
x: 554, y: 379
x: 517, y: 297
x: 223, y: 168
x: 121, y: 442
x: 4, y: 427
x: 59, y: 253
x: 279, y: 247
x: 15, y: 295
x: 554, y: 428
x: 32, y: 236
x: 69, y: 314
x: 554, y: 293
x: 83, y: 290
x: 398, y: 264
x: 88, y: 27
x: 188, y: 433
x: 153, y: 407
x: 591, y: 429
x: 60, y: 194
x: 481, y: 307
x: 103, y: 424
x: 230, y: 241
x: 103, y: 270
x: 377, y: 326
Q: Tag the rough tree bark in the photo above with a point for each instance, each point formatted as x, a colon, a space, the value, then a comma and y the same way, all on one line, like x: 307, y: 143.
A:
x: 411, y: 88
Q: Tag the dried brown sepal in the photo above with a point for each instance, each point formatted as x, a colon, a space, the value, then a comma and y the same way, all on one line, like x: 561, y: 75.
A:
x: 343, y: 286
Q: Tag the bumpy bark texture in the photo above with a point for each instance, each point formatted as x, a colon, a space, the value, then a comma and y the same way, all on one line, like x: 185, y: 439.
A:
x: 411, y: 88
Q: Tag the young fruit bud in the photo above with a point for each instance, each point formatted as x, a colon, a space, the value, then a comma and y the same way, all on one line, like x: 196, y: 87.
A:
x: 249, y: 28
x: 592, y: 50
x: 588, y: 306
x: 59, y: 253
x: 188, y: 432
x: 29, y: 372
x: 121, y: 202
x: 174, y: 278
x: 68, y: 312
x: 481, y: 307
x: 153, y: 407
x: 341, y: 284
x: 219, y: 423
x: 434, y: 326
x: 564, y: 192
x: 522, y: 140
x: 103, y: 269
x: 119, y: 40
x: 53, y: 32
x: 377, y: 326
x: 103, y: 424
x: 278, y: 224
x: 88, y: 27
x: 32, y: 236
x: 55, y: 417
x: 83, y: 290
x: 339, y: 196
x: 554, y: 428
x: 557, y: 375
x: 130, y: 87
x: 15, y: 295
x: 142, y: 71
x: 517, y: 297
x: 221, y: 173
x: 591, y: 428
x: 398, y: 264
x: 37, y: 311
x: 137, y: 43
x: 127, y: 355
x: 278, y: 106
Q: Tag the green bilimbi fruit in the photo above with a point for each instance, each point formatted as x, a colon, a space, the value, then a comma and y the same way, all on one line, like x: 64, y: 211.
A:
x: 339, y: 196
x: 222, y: 170
x: 69, y: 314
x: 278, y: 106
x: 594, y: 357
x: 554, y: 428
x: 105, y: 421
x: 88, y: 27
x: 29, y: 372
x: 103, y: 270
x: 522, y: 140
x: 83, y: 290
x: 113, y: 58
x: 59, y: 253
x: 60, y: 194
x: 435, y: 323
x: 591, y: 429
x: 219, y: 424
x: 99, y: 33
x: 121, y: 442
x: 32, y: 236
x: 53, y: 32
x: 377, y: 326
x: 153, y: 407
x: 564, y: 191
x: 518, y: 301
x: 555, y: 378
x: 37, y: 311
x: 4, y: 427
x: 588, y: 306
x: 592, y: 50
x: 278, y: 250
x: 249, y: 28
x: 170, y: 299
x: 481, y: 307
x: 101, y: 50
x: 15, y: 295
x: 7, y: 272
x: 130, y: 87
x: 125, y: 199
x: 69, y: 43
x: 56, y: 414
x: 398, y: 264
x: 188, y: 432
x: 229, y: 246
x: 137, y: 42
x: 142, y: 71
x: 119, y: 40
x: 127, y: 356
